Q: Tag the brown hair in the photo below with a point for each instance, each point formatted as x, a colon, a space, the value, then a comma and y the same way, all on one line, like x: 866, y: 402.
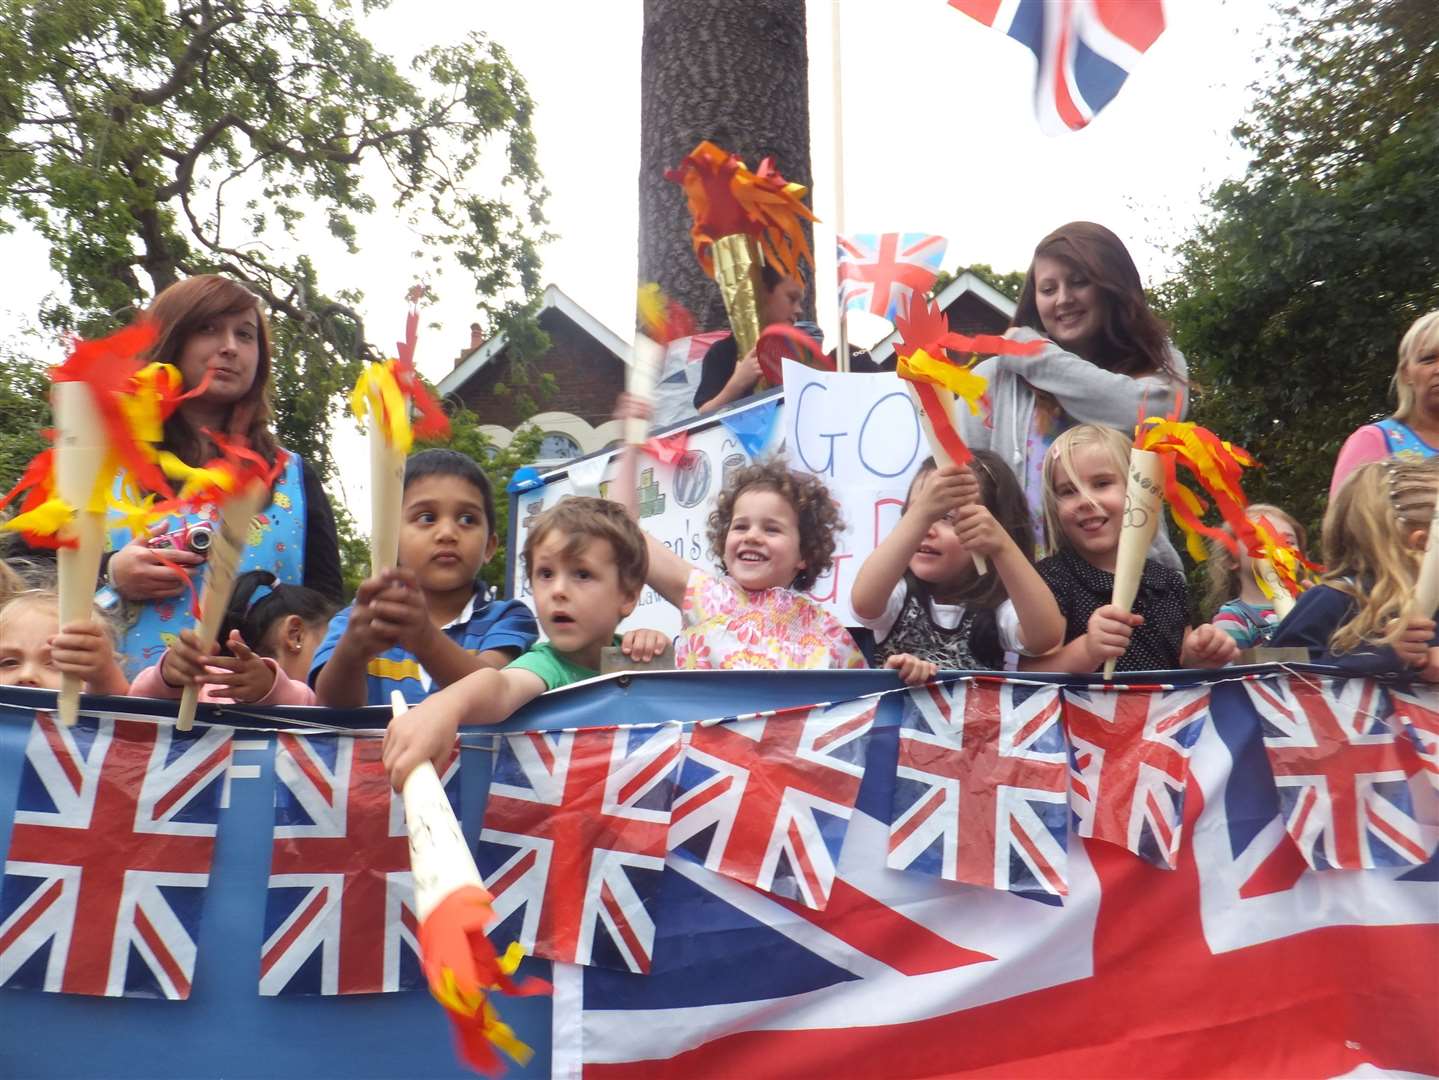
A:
x: 1002, y: 496
x: 1221, y: 569
x: 1133, y: 340
x: 815, y: 509
x: 179, y: 312
x: 582, y: 518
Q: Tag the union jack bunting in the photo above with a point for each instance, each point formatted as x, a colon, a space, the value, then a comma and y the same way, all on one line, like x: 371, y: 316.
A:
x: 1417, y: 709
x: 1130, y: 765
x: 1085, y: 49
x: 110, y: 856
x: 766, y: 800
x: 1342, y: 774
x: 339, y: 914
x: 980, y: 786
x: 879, y: 273
x: 573, y: 842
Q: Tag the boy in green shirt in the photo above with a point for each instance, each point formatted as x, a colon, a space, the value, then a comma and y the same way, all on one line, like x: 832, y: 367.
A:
x: 586, y: 561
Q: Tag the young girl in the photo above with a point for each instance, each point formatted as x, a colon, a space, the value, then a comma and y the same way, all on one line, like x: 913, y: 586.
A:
x: 1084, y: 487
x: 35, y: 650
x: 1375, y: 532
x: 919, y: 590
x: 725, y: 377
x: 270, y: 633
x: 1247, y: 617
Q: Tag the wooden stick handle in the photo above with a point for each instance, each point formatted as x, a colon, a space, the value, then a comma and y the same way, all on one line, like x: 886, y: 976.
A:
x: 943, y: 399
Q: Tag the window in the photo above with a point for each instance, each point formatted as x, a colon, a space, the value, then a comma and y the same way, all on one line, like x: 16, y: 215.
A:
x: 557, y: 446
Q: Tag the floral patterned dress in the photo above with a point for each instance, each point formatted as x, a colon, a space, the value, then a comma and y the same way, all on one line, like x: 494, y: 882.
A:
x: 727, y: 627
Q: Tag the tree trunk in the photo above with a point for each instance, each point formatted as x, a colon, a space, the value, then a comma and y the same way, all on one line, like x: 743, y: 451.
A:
x: 736, y: 74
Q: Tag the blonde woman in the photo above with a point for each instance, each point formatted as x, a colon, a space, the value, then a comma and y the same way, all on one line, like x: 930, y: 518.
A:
x: 1374, y: 537
x: 1413, y: 431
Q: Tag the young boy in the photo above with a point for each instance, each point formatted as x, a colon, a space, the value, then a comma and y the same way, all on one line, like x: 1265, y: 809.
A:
x: 586, y: 562
x: 423, y: 625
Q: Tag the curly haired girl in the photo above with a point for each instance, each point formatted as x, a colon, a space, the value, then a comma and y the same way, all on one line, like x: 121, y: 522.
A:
x: 773, y: 532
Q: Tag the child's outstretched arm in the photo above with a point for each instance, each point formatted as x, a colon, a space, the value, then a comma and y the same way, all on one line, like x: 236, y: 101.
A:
x: 83, y: 649
x: 936, y: 493
x: 668, y: 574
x: 1041, y: 624
x: 1207, y: 646
x: 427, y: 732
x: 1107, y: 636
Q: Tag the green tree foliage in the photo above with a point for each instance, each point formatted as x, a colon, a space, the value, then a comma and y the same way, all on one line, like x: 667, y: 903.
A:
x: 1292, y: 296
x: 148, y: 140
x: 25, y: 407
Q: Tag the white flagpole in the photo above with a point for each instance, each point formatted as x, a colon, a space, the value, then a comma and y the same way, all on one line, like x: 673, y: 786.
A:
x: 842, y: 351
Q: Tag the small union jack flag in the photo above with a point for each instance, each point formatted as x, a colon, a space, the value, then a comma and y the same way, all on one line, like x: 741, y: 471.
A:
x: 1130, y: 765
x: 1085, y: 48
x: 340, y: 911
x: 1342, y: 774
x: 110, y: 856
x: 573, y: 842
x: 981, y: 786
x: 1416, y: 707
x: 880, y: 272
x: 766, y: 800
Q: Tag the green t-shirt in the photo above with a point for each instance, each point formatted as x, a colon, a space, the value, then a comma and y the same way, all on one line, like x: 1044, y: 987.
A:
x: 551, y: 667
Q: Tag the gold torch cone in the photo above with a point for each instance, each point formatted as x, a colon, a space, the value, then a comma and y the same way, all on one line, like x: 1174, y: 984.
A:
x: 737, y: 273
x: 1143, y: 503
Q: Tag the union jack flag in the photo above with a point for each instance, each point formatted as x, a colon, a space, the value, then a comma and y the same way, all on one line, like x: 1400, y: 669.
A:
x: 339, y: 914
x: 1342, y: 774
x: 1085, y: 49
x: 573, y: 842
x: 110, y: 856
x: 766, y: 800
x: 879, y: 273
x: 1417, y: 709
x: 980, y: 787
x: 1130, y: 765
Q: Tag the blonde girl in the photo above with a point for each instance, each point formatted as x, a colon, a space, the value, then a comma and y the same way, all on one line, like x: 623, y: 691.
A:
x: 1240, y: 607
x: 919, y: 590
x: 35, y: 650
x: 1375, y: 532
x: 1084, y: 487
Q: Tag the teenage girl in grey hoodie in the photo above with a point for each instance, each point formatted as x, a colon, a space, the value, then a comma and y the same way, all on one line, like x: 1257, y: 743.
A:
x: 1109, y: 361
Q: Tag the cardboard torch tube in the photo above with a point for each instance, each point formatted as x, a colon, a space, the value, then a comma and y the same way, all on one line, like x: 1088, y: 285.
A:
x: 1143, y: 503
x: 80, y: 452
x: 737, y: 263
x: 1279, y: 593
x: 1426, y: 590
x: 924, y: 399
x: 387, y: 483
x: 234, y: 528
x: 645, y: 363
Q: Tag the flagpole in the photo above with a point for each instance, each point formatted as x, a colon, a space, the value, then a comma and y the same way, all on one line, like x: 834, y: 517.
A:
x: 842, y: 352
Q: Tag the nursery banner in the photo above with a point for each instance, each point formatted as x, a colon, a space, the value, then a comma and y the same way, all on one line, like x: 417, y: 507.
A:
x: 797, y: 874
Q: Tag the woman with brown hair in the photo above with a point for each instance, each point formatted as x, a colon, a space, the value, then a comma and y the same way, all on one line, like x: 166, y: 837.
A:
x: 215, y: 332
x: 1108, y: 359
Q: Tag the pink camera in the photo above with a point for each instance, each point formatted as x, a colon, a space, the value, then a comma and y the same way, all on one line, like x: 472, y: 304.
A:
x: 193, y: 538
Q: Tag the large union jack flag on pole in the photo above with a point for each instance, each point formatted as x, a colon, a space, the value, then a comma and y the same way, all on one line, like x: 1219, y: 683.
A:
x: 880, y: 273
x: 1342, y: 773
x: 110, y: 856
x: 1130, y: 765
x: 980, y: 792
x: 1085, y: 49
x: 765, y: 800
x: 573, y: 842
x: 339, y: 915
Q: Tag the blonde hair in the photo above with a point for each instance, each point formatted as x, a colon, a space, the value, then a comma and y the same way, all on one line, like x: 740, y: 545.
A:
x: 1114, y: 443
x: 1421, y: 339
x: 1366, y: 545
x: 11, y: 582
x: 1221, y: 569
x: 50, y: 599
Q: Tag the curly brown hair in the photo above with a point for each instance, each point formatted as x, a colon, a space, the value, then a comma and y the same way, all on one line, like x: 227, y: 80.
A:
x: 818, y: 514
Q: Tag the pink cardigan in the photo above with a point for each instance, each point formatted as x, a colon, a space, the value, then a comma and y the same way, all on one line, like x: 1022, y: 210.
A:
x: 284, y: 691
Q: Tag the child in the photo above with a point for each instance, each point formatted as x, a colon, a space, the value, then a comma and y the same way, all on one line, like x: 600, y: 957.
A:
x: 1249, y: 617
x: 35, y: 650
x: 919, y: 590
x: 425, y: 622
x: 1084, y: 488
x: 586, y: 564
x: 1375, y: 532
x: 270, y: 633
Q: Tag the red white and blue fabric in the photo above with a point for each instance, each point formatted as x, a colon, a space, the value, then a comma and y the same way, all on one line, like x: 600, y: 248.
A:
x: 1416, y: 708
x: 881, y: 272
x: 573, y: 843
x: 981, y: 787
x: 766, y: 800
x: 1130, y: 765
x: 1085, y: 49
x: 339, y: 914
x: 110, y: 857
x: 1237, y: 962
x: 1342, y: 773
